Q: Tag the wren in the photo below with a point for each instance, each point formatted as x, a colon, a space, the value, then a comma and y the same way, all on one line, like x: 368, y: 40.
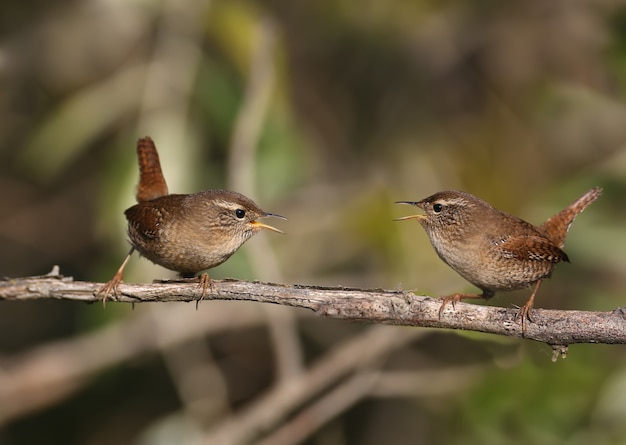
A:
x: 185, y: 233
x: 493, y: 250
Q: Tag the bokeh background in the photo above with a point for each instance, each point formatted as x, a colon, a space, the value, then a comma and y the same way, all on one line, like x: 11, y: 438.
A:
x: 326, y: 112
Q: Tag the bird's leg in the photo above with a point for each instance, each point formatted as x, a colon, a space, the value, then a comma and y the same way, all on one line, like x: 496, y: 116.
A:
x: 454, y: 298
x: 524, y: 312
x: 206, y: 283
x: 113, y: 283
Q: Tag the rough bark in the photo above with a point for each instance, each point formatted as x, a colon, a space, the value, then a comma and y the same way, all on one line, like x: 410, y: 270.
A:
x: 557, y: 328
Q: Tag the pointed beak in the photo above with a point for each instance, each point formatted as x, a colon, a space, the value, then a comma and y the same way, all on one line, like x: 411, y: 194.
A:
x: 411, y: 203
x: 260, y: 225
x: 274, y: 215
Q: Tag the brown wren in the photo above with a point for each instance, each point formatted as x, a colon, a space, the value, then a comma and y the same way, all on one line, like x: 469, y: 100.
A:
x: 185, y: 233
x: 494, y: 250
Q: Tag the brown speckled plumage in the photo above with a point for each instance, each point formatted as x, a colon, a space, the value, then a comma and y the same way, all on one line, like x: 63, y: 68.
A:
x: 492, y: 249
x: 184, y: 233
x: 191, y: 233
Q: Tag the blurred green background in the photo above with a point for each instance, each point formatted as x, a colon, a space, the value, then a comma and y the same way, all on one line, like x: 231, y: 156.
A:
x: 326, y: 112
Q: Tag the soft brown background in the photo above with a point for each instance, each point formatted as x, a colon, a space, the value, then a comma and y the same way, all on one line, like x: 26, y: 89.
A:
x: 327, y: 113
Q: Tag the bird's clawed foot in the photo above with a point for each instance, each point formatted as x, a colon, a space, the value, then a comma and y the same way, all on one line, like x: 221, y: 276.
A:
x: 206, y: 284
x: 455, y: 298
x: 110, y: 288
x: 523, y: 314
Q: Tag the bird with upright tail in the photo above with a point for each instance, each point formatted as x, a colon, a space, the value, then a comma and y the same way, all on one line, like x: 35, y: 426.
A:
x: 185, y: 233
x: 493, y: 250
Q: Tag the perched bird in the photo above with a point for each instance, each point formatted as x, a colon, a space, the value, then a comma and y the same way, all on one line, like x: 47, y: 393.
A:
x: 493, y: 250
x: 185, y: 233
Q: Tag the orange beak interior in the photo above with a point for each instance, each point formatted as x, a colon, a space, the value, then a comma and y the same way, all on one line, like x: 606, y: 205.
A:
x: 260, y: 225
x: 417, y: 217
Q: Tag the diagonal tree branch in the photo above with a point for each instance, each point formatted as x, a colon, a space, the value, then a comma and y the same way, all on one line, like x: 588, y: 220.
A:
x: 269, y: 410
x: 555, y: 327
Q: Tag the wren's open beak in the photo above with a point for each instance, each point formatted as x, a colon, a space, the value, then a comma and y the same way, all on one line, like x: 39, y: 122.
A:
x: 260, y: 225
x: 411, y: 203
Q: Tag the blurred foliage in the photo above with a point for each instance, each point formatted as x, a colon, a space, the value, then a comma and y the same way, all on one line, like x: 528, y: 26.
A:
x: 519, y: 102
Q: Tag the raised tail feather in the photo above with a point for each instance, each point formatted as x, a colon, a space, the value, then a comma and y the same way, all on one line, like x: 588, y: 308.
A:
x: 557, y: 226
x: 151, y: 181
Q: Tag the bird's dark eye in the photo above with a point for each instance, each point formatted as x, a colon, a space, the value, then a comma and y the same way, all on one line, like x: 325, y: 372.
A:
x: 437, y: 207
x: 240, y: 213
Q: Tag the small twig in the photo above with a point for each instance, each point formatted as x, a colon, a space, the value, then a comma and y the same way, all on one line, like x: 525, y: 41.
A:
x: 554, y: 327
